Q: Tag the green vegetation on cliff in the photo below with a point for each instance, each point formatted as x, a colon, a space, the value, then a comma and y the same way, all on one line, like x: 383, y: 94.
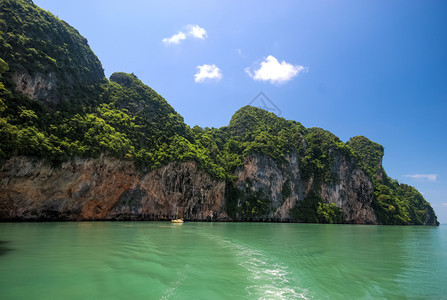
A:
x: 88, y: 115
x: 313, y: 210
x: 395, y: 203
x: 35, y: 41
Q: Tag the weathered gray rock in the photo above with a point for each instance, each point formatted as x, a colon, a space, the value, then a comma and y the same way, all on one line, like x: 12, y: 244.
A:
x: 352, y: 191
x: 112, y: 189
x: 38, y: 87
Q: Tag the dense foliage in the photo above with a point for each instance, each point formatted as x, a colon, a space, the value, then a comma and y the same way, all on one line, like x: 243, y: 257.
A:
x: 394, y: 203
x: 124, y: 118
x: 313, y: 210
x: 34, y: 40
x: 370, y: 155
x: 318, y: 157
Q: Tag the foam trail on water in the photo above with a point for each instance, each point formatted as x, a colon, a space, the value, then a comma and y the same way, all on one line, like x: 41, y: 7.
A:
x: 269, y: 280
x: 170, y: 292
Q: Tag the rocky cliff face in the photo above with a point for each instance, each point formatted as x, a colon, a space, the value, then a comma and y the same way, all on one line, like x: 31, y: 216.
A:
x: 107, y: 189
x: 111, y: 189
x: 47, y: 67
x: 38, y: 87
x: 352, y: 191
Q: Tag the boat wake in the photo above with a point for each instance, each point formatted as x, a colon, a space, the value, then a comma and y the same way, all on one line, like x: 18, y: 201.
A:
x: 270, y: 280
x: 173, y: 286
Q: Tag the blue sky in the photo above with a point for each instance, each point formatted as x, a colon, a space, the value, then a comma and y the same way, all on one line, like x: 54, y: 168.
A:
x: 375, y: 68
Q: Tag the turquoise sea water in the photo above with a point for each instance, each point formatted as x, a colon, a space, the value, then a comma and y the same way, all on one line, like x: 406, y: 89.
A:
x: 160, y: 260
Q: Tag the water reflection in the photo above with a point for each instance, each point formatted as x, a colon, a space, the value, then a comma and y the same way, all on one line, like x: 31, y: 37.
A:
x: 4, y: 249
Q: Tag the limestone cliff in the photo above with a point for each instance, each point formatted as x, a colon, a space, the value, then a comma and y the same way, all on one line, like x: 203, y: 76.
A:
x: 107, y: 189
x: 38, y: 87
x: 352, y: 192
x: 112, y: 189
x: 123, y: 153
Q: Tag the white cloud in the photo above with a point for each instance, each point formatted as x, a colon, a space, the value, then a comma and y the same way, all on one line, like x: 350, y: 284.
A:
x: 444, y: 204
x: 194, y: 31
x: 275, y: 72
x: 429, y: 177
x: 175, y: 39
x: 207, y: 72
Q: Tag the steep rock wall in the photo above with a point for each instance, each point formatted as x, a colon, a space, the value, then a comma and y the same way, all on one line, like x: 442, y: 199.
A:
x: 107, y: 189
x: 38, y: 87
x: 352, y: 191
x: 111, y: 189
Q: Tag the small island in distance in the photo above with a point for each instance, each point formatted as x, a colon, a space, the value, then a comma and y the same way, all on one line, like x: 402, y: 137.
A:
x: 78, y: 146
